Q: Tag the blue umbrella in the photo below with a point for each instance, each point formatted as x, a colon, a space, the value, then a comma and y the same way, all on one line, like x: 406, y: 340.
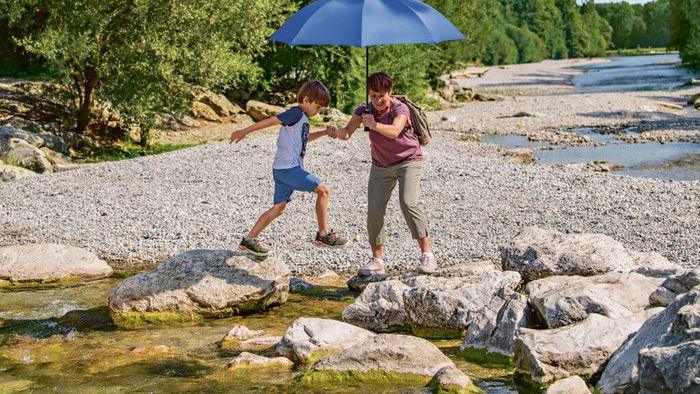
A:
x: 365, y: 23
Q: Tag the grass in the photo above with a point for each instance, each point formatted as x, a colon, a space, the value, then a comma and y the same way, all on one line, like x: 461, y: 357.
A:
x: 130, y: 151
x: 638, y: 51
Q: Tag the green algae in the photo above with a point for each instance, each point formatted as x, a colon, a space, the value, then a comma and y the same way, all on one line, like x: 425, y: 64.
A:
x: 99, y: 357
x: 437, y: 333
x: 373, y: 378
x: 132, y: 320
x: 436, y: 387
x: 486, y: 358
x: 23, y: 284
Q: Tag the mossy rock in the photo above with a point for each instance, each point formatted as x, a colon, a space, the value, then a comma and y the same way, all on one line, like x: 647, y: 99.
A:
x: 471, y: 388
x: 68, y: 280
x: 131, y: 320
x: 436, y: 333
x: 488, y: 359
x: 366, y: 379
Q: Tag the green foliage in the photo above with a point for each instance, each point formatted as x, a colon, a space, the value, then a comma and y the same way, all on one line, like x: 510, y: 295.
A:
x: 500, y: 49
x: 685, y: 30
x: 636, y: 25
x: 530, y: 48
x: 140, y: 55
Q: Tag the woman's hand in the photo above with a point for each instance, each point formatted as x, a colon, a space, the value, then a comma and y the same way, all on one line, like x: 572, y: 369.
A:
x: 369, y: 121
x: 332, y: 131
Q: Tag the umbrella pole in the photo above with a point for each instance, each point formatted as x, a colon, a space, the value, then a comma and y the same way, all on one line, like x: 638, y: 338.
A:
x: 367, y: 109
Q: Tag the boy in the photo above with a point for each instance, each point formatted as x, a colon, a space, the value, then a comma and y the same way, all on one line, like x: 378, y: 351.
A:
x: 288, y: 166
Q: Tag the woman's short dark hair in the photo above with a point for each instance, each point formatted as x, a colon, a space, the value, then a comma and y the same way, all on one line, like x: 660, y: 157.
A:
x: 379, y: 82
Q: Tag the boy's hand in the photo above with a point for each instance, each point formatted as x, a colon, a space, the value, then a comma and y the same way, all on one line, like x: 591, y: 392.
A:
x: 332, y: 131
x: 237, y: 136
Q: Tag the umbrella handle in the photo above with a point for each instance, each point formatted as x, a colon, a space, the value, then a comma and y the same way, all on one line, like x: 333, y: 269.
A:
x: 367, y: 111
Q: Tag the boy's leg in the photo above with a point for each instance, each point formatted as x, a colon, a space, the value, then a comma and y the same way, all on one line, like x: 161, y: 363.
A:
x: 322, y: 196
x: 266, y: 218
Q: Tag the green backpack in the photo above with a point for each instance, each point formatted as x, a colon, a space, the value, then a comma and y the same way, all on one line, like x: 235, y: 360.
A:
x: 419, y: 121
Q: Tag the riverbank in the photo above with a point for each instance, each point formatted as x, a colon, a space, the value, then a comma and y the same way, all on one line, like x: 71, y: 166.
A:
x: 134, y: 213
x: 137, y: 212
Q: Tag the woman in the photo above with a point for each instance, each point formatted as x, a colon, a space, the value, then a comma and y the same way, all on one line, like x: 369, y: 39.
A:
x: 396, y: 157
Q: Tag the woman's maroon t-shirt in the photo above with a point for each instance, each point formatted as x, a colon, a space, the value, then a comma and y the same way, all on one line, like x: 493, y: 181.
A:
x: 387, y: 151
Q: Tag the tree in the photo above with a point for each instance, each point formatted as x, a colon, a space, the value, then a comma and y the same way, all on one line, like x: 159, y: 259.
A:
x: 140, y: 55
x: 685, y: 30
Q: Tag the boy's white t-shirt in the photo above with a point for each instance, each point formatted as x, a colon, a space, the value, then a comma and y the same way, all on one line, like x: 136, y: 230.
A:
x: 292, y: 139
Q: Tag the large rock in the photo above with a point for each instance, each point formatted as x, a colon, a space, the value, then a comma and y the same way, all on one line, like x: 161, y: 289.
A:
x: 260, y: 111
x: 495, y: 327
x: 308, y: 339
x: 220, y: 104
x: 203, y: 111
x: 21, y: 153
x: 10, y: 173
x: 564, y: 300
x: 570, y: 385
x: 49, y: 263
x: 663, y: 355
x: 671, y: 369
x: 452, y: 303
x: 387, y: 353
x: 538, y: 253
x: 8, y: 132
x: 200, y: 283
x: 379, y: 308
x: 674, y: 286
x: 580, y: 349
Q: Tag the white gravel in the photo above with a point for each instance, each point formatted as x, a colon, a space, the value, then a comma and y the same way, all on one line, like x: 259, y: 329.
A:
x: 137, y: 212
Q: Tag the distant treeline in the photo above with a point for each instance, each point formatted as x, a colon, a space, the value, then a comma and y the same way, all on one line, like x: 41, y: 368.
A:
x: 139, y: 55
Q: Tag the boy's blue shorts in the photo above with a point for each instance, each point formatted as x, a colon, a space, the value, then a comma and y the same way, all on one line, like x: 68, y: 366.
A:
x: 290, y: 179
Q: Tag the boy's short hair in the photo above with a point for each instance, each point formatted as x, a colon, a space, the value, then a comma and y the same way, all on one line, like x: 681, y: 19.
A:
x: 316, y: 92
x: 379, y: 82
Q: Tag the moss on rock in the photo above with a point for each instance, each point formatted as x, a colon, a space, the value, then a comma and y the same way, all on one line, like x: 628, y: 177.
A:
x: 131, y: 320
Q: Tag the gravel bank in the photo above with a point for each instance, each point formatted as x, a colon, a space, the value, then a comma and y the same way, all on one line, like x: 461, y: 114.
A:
x: 140, y: 211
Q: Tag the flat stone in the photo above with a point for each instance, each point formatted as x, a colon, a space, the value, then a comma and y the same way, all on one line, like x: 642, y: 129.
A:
x: 564, y: 300
x: 579, y: 349
x: 379, y: 308
x: 538, y: 253
x: 208, y: 283
x: 50, y: 263
x: 387, y: 353
x: 246, y: 359
x: 307, y: 338
x: 570, y: 385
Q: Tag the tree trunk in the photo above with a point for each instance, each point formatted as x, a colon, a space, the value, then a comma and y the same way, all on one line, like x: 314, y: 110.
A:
x: 85, y: 110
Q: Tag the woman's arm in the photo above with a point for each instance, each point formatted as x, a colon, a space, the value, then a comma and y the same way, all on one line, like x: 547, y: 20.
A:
x: 390, y: 131
x: 240, y: 134
x: 346, y: 132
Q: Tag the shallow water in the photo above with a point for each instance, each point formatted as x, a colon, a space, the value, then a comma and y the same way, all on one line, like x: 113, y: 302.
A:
x: 42, y: 349
x: 672, y: 160
x: 633, y: 73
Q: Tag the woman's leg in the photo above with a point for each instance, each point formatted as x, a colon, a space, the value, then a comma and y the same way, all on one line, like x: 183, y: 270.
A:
x: 409, y: 175
x: 380, y: 186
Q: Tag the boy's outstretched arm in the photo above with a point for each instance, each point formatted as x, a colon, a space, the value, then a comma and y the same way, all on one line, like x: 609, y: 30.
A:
x: 329, y: 131
x: 240, y: 134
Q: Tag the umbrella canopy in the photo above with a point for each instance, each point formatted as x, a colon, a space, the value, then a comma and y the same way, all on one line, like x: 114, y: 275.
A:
x: 364, y: 23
